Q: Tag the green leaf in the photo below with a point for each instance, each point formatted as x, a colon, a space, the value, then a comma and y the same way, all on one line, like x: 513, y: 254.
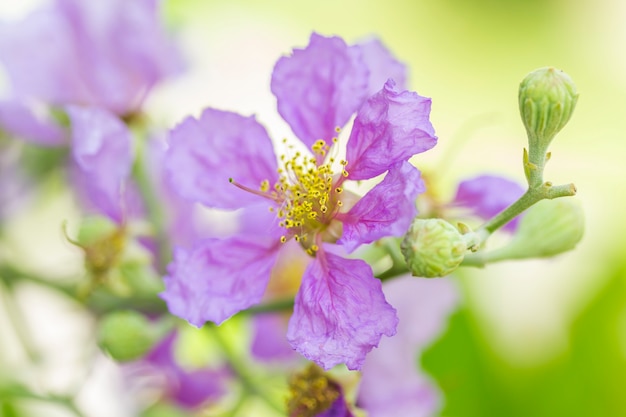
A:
x: 586, y: 380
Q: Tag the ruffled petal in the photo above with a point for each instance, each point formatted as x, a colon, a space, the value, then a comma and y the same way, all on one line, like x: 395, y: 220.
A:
x: 19, y: 119
x: 382, y: 66
x: 101, y: 147
x: 320, y: 87
x: 387, y: 210
x: 391, y: 384
x: 391, y: 126
x: 340, y: 312
x: 204, y: 153
x: 218, y: 278
x: 488, y: 195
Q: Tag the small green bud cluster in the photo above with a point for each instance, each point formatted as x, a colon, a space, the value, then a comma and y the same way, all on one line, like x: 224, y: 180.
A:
x: 548, y: 228
x: 433, y: 248
x: 547, y: 98
x: 127, y: 335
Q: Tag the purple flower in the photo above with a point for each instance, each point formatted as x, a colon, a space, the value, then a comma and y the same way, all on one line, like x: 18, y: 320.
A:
x: 16, y: 189
x: 101, y: 149
x: 187, y: 388
x: 488, y: 195
x: 226, y: 161
x: 268, y: 339
x: 339, y: 408
x: 391, y: 384
x: 22, y: 121
x: 107, y: 54
x: 96, y: 61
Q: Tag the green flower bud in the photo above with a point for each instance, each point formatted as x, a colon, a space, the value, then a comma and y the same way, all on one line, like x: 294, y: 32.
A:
x: 103, y: 243
x: 126, y: 335
x: 548, y: 228
x: 547, y: 98
x: 433, y: 248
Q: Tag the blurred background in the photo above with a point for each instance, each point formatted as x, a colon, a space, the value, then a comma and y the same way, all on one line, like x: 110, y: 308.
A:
x: 531, y: 338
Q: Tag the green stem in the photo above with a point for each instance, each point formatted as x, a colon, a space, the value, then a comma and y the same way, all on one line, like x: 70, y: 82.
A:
x: 100, y: 300
x: 530, y: 197
x: 22, y: 393
x: 242, y: 373
x: 154, y: 207
x: 16, y: 318
x: 284, y: 304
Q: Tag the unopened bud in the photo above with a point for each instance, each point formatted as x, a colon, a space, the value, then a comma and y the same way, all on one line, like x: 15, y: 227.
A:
x: 548, y: 228
x: 547, y: 97
x: 433, y: 248
x: 126, y: 335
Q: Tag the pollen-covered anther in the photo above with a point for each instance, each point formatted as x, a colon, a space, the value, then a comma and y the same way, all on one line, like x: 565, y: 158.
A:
x: 312, y: 250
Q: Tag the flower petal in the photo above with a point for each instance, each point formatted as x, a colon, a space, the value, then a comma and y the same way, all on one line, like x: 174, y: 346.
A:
x: 218, y: 278
x: 204, y: 153
x: 101, y: 147
x: 187, y: 388
x: 123, y: 50
x: 387, y: 210
x: 268, y: 339
x: 391, y: 384
x: 52, y: 73
x: 340, y: 312
x: 339, y: 408
x: 488, y: 195
x: 320, y: 87
x: 106, y: 54
x: 19, y: 119
x: 391, y: 126
x: 382, y: 66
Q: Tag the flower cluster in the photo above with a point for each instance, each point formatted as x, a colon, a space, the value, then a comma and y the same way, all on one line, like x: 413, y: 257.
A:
x: 226, y: 161
x: 98, y: 64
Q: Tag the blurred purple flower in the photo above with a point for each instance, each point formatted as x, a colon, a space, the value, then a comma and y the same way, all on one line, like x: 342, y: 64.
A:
x: 21, y: 120
x: 391, y: 384
x: 107, y: 54
x: 15, y: 187
x: 269, y: 343
x: 339, y: 408
x: 96, y: 60
x: 101, y: 149
x: 178, y: 213
x: 488, y: 195
x: 188, y: 389
x: 340, y: 311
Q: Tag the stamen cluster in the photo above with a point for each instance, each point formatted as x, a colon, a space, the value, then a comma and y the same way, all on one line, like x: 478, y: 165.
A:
x: 307, y: 193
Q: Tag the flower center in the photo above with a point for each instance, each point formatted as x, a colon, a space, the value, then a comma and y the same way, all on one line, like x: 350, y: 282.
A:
x: 306, y: 194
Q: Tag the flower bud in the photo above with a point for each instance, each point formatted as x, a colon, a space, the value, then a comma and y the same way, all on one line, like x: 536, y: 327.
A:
x: 433, y: 248
x: 126, y: 335
x: 548, y: 228
x: 547, y: 98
